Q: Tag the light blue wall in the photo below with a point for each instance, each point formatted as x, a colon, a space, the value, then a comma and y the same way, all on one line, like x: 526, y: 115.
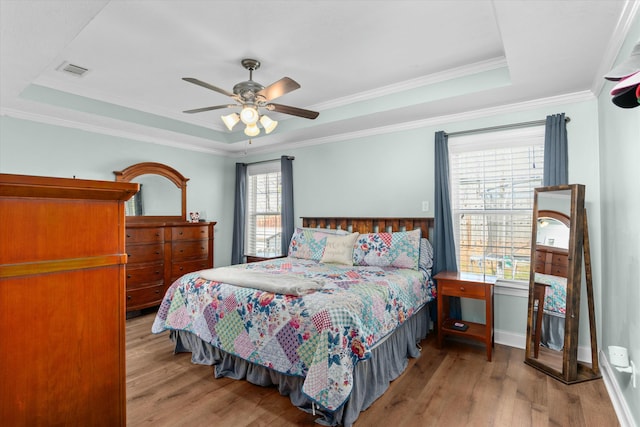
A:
x: 620, y: 180
x: 31, y: 148
x: 391, y: 174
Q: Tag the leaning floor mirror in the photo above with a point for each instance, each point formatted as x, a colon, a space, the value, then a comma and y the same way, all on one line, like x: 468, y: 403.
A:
x: 559, y: 240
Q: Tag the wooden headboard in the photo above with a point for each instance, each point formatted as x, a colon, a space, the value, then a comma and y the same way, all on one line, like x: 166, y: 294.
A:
x: 370, y: 224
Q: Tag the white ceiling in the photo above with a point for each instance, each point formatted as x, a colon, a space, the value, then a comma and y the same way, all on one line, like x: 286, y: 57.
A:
x: 366, y: 66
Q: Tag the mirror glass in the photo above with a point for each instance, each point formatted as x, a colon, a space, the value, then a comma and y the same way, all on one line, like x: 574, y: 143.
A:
x: 157, y: 197
x: 162, y: 194
x: 550, y: 277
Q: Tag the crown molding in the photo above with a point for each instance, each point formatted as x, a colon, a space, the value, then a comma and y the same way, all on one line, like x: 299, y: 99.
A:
x: 142, y: 135
x: 195, y: 144
x: 454, y: 73
x: 440, y: 120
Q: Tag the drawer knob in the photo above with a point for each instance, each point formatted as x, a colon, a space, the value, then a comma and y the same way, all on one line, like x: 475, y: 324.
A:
x: 462, y: 288
x: 128, y: 297
x: 157, y: 272
x: 157, y: 252
x: 128, y: 236
x: 128, y: 276
x: 157, y: 291
x: 180, y: 233
x: 157, y: 234
x: 181, y: 268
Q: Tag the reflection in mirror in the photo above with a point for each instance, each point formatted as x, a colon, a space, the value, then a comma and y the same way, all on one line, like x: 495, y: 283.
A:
x: 164, y: 195
x: 160, y: 196
x: 559, y: 231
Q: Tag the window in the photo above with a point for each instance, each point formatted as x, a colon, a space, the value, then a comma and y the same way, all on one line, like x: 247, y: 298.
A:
x: 264, y: 201
x: 492, y: 178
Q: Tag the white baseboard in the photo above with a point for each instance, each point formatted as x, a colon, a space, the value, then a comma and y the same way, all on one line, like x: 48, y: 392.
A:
x: 615, y: 394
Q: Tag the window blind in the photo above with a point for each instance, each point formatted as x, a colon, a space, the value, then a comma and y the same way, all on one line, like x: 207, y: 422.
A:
x: 492, y: 178
x: 264, y: 201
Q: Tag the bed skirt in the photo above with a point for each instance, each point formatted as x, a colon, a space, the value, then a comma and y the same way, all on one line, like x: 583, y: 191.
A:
x: 371, y: 377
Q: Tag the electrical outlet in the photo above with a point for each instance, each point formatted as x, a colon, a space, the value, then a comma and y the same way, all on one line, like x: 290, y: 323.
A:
x: 425, y: 206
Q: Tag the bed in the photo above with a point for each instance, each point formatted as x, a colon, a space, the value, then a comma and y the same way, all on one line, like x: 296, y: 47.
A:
x: 332, y: 324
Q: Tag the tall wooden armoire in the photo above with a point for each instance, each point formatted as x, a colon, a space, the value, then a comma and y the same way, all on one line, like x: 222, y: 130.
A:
x: 62, y: 301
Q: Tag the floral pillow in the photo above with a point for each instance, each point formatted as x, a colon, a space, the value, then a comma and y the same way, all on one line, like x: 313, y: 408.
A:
x: 426, y: 255
x: 400, y: 249
x: 307, y: 243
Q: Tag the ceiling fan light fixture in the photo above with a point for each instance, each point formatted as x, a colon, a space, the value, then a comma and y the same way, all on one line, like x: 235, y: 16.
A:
x: 268, y: 124
x: 249, y: 115
x: 230, y: 120
x: 252, y: 130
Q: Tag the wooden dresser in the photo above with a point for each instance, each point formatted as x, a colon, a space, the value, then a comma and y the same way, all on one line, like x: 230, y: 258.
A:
x: 62, y: 301
x: 161, y: 252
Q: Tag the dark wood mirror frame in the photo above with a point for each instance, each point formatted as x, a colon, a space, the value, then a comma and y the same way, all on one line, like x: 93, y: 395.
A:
x: 146, y: 168
x: 572, y: 370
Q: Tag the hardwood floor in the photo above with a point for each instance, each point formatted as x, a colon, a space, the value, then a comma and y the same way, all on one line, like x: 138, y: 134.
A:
x: 454, y: 386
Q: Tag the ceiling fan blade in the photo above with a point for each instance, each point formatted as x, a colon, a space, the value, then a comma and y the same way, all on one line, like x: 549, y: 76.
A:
x: 294, y: 111
x: 200, y: 110
x: 207, y: 85
x: 279, y: 88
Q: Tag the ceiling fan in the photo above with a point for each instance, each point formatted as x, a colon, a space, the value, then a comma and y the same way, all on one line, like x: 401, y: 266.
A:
x: 251, y: 96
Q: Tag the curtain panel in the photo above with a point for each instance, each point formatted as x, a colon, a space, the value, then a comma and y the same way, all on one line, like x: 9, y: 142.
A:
x: 444, y: 248
x: 556, y: 157
x: 239, y: 212
x: 288, y: 224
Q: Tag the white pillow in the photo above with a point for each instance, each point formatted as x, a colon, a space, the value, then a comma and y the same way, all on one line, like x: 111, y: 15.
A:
x: 339, y: 249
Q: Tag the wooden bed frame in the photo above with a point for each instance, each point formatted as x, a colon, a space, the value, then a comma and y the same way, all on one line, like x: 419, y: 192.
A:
x: 370, y: 224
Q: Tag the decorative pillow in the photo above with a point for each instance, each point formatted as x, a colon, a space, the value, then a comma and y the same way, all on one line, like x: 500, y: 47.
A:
x: 426, y: 255
x: 339, y: 249
x: 337, y: 231
x: 308, y: 243
x: 400, y: 249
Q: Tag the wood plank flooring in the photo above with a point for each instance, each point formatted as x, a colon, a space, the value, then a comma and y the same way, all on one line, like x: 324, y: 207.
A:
x: 454, y: 386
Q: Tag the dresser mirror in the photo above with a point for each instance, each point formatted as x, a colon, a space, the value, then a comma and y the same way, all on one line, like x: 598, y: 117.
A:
x: 558, y: 241
x: 162, y: 195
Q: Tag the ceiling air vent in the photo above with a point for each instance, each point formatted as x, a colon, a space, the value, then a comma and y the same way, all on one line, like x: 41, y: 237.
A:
x: 75, y: 70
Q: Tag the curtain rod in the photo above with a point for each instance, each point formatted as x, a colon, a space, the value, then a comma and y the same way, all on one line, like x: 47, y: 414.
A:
x: 510, y: 126
x: 268, y: 161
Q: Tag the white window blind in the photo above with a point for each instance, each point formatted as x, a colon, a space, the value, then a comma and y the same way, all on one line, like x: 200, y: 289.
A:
x: 263, y: 229
x: 492, y: 178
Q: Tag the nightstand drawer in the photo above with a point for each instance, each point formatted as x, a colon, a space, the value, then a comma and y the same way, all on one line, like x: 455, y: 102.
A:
x: 465, y: 290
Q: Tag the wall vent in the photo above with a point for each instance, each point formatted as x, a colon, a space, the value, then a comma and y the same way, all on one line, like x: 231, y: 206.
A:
x: 75, y: 70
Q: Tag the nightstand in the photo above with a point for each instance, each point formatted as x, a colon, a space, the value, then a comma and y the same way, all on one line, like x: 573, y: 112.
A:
x: 262, y: 257
x: 453, y: 284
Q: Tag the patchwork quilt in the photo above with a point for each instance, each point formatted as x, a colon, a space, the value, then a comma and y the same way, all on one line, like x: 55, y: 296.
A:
x: 555, y: 297
x: 320, y: 336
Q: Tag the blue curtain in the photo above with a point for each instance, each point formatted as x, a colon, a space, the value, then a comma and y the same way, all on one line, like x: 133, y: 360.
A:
x: 237, y: 248
x: 286, y: 171
x: 556, y: 158
x: 444, y: 249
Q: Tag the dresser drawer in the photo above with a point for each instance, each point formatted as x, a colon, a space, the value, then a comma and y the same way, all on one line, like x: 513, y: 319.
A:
x: 143, y: 235
x: 190, y: 233
x: 562, y: 260
x: 145, y: 253
x: 558, y: 270
x: 189, y: 250
x: 184, y: 267
x: 465, y: 290
x: 145, y: 297
x: 147, y: 274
